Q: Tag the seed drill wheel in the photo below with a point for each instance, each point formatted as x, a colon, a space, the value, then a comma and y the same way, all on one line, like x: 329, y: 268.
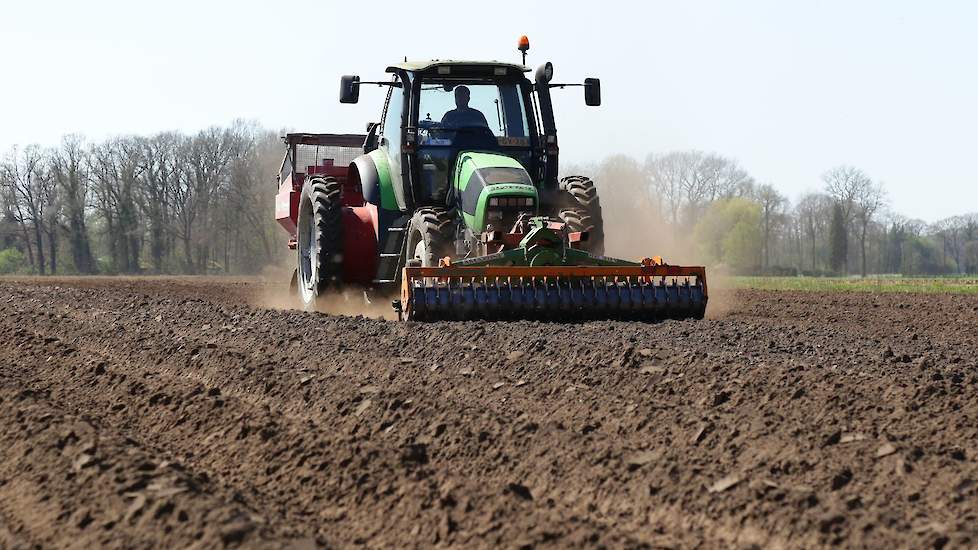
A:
x: 320, y: 239
x: 580, y: 208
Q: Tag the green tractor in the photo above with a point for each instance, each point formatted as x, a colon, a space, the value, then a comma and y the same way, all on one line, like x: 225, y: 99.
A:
x: 461, y: 174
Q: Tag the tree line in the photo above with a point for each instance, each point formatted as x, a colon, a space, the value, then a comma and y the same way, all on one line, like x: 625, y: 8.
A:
x: 704, y: 207
x: 168, y: 203
x: 203, y: 203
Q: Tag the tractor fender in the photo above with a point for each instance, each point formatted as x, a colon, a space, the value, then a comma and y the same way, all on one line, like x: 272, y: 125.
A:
x: 363, y: 171
x: 359, y: 244
x: 367, y: 228
x: 372, y: 173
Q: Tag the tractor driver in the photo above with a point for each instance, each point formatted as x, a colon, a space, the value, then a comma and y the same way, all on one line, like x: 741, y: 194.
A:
x: 463, y: 115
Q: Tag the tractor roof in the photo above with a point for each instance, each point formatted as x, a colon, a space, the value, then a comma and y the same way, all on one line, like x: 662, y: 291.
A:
x: 422, y: 66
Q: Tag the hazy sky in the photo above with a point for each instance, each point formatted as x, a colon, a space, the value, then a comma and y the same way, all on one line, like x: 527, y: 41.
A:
x: 790, y: 89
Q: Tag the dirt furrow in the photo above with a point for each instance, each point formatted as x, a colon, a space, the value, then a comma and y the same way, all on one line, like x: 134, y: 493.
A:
x: 68, y: 467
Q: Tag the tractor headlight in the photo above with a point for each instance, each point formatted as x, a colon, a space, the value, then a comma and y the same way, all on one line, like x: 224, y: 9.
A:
x: 512, y: 202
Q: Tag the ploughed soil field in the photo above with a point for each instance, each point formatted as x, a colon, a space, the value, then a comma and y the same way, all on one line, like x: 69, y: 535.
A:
x: 189, y: 413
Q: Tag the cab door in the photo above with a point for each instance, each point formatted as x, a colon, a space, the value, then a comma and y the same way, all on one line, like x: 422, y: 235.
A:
x: 392, y: 135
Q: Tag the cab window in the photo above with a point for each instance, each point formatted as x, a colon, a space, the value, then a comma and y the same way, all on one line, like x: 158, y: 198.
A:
x: 451, y: 105
x: 391, y: 130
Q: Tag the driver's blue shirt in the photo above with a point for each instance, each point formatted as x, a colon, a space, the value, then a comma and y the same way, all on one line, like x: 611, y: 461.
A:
x: 462, y: 117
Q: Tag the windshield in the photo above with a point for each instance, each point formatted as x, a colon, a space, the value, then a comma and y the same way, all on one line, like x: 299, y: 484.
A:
x: 447, y: 108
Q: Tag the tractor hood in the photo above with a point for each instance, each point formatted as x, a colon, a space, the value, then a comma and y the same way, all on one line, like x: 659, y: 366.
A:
x: 492, y: 180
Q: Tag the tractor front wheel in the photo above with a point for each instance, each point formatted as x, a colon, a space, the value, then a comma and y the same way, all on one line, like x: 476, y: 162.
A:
x: 430, y: 236
x: 319, y: 239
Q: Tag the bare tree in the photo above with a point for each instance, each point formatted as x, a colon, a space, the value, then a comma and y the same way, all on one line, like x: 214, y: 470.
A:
x: 869, y: 199
x: 814, y: 212
x: 68, y: 167
x: 210, y: 193
x: 243, y: 203
x: 772, y: 206
x: 969, y: 239
x: 50, y: 213
x: 846, y: 184
x: 116, y: 166
x: 204, y: 162
x: 689, y: 181
x: 665, y: 176
x: 160, y: 166
x: 23, y: 172
x: 13, y: 209
x: 969, y: 236
x: 725, y: 178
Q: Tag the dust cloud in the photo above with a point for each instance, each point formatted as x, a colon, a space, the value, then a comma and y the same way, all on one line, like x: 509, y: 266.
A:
x: 635, y: 228
x: 351, y: 301
x: 641, y: 233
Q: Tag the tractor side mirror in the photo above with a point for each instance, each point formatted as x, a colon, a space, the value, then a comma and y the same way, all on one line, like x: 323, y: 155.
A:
x: 592, y: 92
x: 349, y: 89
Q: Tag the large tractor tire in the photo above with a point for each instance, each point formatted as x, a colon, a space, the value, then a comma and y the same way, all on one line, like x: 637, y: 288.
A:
x: 320, y: 239
x: 431, y: 236
x: 578, y: 219
x: 580, y: 208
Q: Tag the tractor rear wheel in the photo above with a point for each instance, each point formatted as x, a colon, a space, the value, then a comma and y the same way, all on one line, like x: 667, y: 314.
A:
x: 320, y: 239
x: 578, y: 219
x: 431, y: 236
x: 580, y: 208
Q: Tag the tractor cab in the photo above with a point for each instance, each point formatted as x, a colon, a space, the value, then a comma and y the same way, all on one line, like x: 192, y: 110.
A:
x: 484, y: 112
x: 436, y: 110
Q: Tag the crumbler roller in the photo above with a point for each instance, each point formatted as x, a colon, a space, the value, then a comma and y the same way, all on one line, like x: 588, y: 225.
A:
x: 545, y: 279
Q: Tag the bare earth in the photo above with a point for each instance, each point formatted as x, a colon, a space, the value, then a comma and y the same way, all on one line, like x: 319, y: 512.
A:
x: 186, y: 413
